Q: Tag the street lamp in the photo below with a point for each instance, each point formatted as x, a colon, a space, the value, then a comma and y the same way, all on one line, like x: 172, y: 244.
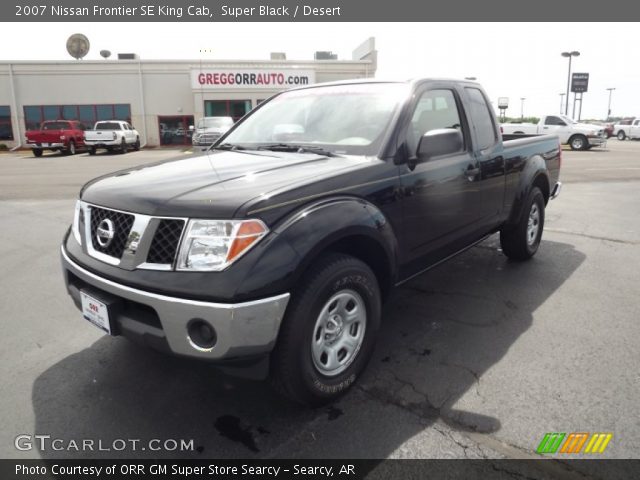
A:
x: 561, y: 101
x: 569, y: 55
x: 522, y: 99
x: 611, y: 89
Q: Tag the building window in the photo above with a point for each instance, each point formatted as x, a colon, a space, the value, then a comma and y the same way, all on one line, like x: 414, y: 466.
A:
x: 6, y: 132
x: 34, y: 115
x: 227, y: 108
x: 174, y: 129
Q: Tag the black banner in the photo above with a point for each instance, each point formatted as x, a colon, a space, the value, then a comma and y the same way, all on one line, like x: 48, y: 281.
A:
x: 314, y: 11
x: 319, y: 469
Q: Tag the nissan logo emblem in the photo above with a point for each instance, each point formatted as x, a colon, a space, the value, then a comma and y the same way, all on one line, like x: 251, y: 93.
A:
x: 105, y: 233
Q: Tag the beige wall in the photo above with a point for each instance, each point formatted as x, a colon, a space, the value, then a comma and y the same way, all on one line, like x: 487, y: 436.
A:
x: 166, y: 85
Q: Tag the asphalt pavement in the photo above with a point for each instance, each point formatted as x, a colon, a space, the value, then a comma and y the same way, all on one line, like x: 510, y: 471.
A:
x: 480, y: 357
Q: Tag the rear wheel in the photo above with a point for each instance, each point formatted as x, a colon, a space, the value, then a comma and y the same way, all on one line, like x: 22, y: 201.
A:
x: 329, y: 331
x: 621, y: 135
x: 37, y: 152
x: 92, y: 150
x: 123, y: 146
x: 71, y: 148
x: 521, y: 241
x: 578, y: 142
x: 136, y: 146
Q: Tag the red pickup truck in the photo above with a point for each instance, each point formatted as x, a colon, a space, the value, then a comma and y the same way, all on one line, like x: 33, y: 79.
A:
x: 57, y: 135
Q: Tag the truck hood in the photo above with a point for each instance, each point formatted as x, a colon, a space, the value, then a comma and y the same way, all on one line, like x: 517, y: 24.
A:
x: 213, y: 185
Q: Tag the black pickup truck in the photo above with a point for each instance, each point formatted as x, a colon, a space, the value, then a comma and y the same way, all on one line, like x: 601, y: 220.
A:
x: 280, y: 243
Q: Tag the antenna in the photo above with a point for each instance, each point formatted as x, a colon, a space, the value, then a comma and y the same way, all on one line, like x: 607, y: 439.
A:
x: 78, y: 45
x: 105, y: 54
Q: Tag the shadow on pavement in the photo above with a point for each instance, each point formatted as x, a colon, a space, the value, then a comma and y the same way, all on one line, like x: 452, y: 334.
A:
x: 442, y: 331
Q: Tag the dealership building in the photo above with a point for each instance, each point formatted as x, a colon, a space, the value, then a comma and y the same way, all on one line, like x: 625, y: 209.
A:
x: 161, y: 98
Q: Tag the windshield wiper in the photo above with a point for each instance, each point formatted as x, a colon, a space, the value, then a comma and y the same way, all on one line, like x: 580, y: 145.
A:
x: 290, y: 147
x: 226, y: 146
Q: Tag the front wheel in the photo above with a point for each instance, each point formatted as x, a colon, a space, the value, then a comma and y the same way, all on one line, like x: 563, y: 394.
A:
x: 578, y: 142
x: 622, y: 135
x: 521, y: 241
x: 329, y: 331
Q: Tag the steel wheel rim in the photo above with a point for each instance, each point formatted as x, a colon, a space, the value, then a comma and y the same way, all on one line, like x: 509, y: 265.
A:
x: 533, y: 224
x: 338, y: 333
x: 72, y: 148
x: 577, y: 143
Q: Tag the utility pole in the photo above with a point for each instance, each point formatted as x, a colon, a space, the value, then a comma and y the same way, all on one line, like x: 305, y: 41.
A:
x: 611, y: 89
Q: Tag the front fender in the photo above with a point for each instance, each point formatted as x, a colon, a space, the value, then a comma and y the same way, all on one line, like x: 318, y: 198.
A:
x: 311, y: 230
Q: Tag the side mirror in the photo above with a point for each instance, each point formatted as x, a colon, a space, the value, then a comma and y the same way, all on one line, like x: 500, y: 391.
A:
x: 191, y: 128
x: 441, y: 141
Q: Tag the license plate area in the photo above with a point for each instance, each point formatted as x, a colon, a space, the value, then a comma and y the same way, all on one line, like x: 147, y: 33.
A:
x: 97, y: 311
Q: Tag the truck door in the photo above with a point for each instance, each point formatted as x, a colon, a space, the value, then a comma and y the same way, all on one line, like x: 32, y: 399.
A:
x: 488, y: 152
x: 552, y: 125
x: 440, y: 197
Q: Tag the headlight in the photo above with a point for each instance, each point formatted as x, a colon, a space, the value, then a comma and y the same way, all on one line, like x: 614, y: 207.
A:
x: 76, y: 222
x: 213, y: 245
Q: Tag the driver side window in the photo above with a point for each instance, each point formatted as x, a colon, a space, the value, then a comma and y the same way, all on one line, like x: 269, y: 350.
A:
x: 554, y: 121
x: 434, y: 110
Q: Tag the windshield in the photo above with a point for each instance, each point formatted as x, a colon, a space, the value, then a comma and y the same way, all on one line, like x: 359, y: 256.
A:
x: 348, y: 119
x: 568, y: 120
x: 215, y: 122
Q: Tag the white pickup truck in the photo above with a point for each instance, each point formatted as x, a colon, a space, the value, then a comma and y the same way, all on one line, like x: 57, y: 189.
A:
x: 579, y: 136
x: 112, y: 135
x: 631, y: 131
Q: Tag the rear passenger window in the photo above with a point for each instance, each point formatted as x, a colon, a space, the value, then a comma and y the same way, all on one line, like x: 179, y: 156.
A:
x: 551, y: 120
x: 481, y: 119
x: 435, y: 109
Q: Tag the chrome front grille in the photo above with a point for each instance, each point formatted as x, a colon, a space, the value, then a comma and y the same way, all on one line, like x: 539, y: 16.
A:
x: 164, y: 246
x: 127, y: 240
x: 121, y: 223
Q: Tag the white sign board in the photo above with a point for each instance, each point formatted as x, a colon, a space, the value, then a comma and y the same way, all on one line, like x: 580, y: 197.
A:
x: 503, y: 102
x: 253, y: 79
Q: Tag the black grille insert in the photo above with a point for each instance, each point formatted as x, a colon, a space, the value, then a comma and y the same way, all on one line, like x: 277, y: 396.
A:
x: 122, y: 223
x: 165, y: 242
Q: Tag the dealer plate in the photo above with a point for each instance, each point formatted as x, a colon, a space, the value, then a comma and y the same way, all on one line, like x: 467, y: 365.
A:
x: 95, y: 312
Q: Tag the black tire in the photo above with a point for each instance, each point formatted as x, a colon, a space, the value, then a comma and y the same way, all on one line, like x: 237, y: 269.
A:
x: 92, y: 150
x: 123, y: 146
x: 578, y: 142
x: 71, y: 148
x: 136, y: 146
x: 516, y: 240
x: 293, y: 369
x: 621, y: 135
x: 37, y: 152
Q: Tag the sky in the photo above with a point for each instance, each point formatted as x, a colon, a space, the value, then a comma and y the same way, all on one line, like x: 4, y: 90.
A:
x: 513, y: 60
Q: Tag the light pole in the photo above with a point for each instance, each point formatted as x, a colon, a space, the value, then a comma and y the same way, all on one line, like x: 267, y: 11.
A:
x: 561, y: 101
x: 569, y: 55
x: 522, y: 99
x: 611, y: 89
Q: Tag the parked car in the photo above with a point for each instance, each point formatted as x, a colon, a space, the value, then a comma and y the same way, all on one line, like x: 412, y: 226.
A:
x: 112, y: 135
x: 264, y: 250
x: 210, y: 129
x: 579, y: 136
x: 630, y: 130
x: 58, y: 136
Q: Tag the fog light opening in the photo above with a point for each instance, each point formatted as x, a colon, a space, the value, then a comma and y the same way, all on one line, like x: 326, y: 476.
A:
x: 201, y: 334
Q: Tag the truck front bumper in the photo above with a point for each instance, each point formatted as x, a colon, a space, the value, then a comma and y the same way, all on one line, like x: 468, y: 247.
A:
x: 596, y: 141
x: 172, y: 324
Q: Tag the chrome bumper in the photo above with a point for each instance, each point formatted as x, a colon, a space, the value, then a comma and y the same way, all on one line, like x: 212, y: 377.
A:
x: 49, y: 145
x: 556, y: 190
x: 597, y: 141
x: 242, y: 329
